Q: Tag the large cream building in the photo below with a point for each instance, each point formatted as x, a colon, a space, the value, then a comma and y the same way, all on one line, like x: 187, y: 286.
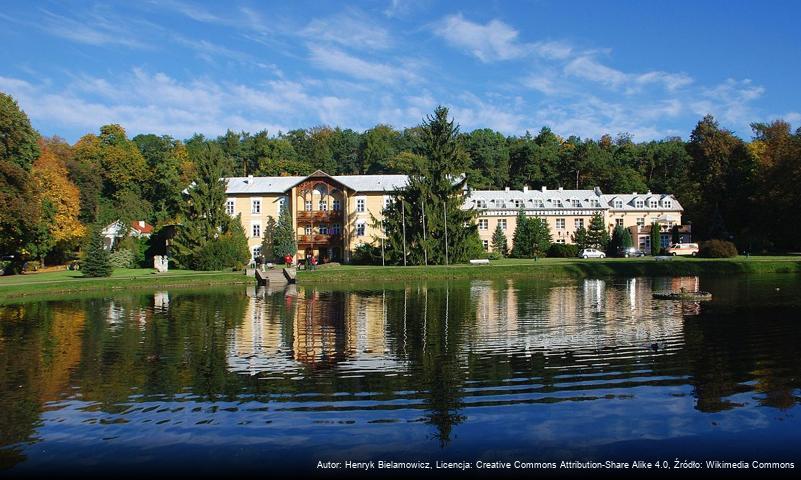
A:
x: 332, y: 215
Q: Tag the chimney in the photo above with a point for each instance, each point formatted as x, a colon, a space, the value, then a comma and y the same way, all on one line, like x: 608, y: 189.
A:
x: 525, y: 188
x: 507, y: 189
x: 560, y: 189
x: 544, y: 188
x: 597, y: 191
x: 634, y: 193
x: 249, y: 180
x: 142, y: 223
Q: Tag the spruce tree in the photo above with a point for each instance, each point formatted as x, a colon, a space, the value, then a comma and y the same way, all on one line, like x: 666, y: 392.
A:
x: 203, y: 215
x: 580, y: 238
x: 284, y: 243
x: 499, y: 243
x: 96, y: 262
x: 597, y: 235
x: 540, y: 236
x: 521, y: 239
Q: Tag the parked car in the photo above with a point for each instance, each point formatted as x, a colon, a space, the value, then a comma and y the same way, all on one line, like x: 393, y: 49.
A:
x: 683, y: 249
x: 591, y: 253
x: 630, y: 252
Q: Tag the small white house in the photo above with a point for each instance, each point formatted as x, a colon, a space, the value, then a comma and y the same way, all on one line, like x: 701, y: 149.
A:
x: 116, y: 231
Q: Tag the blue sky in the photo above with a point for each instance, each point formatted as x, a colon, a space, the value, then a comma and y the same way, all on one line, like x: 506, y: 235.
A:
x: 583, y: 68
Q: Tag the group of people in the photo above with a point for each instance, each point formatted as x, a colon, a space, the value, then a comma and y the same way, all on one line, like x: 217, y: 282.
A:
x: 311, y: 261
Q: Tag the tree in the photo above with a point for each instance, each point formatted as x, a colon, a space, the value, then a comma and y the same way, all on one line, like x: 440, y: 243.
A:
x: 431, y: 203
x: 166, y: 158
x: 285, y: 242
x: 597, y: 234
x: 656, y: 239
x: 621, y: 239
x: 203, y: 215
x: 522, y: 238
x: 580, y: 238
x: 18, y: 140
x: 499, y: 243
x: 540, y: 236
x: 96, y: 261
x: 378, y: 149
x: 489, y: 158
x: 268, y: 240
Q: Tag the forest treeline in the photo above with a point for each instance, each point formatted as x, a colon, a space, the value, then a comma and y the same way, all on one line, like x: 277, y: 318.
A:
x: 744, y: 190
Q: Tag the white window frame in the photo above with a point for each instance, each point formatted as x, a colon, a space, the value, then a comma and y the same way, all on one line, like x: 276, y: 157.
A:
x: 255, y: 230
x: 667, y: 203
x: 308, y: 204
x: 282, y: 203
x: 560, y: 223
x: 361, y: 228
x: 307, y: 230
x: 502, y: 223
x: 619, y: 222
x: 578, y: 223
x: 653, y: 204
x: 618, y: 204
x: 483, y: 224
x: 640, y: 221
x: 361, y: 204
x: 639, y: 203
x: 481, y: 204
x: 230, y: 207
x: 255, y: 206
x: 485, y: 243
x: 575, y: 203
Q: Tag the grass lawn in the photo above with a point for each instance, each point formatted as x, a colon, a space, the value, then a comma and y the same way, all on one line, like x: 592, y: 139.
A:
x: 559, y: 267
x: 74, y: 281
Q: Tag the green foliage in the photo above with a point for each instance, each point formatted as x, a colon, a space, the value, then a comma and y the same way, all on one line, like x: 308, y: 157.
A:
x: 285, y: 242
x: 203, y: 216
x: 229, y: 250
x: 499, y: 243
x: 366, y: 254
x: 580, y: 238
x: 96, y: 262
x: 656, y: 239
x: 122, y: 258
x: 717, y: 249
x: 597, y: 235
x: 268, y: 240
x: 18, y: 140
x: 139, y: 247
x: 621, y: 239
x: 563, y: 250
x: 532, y: 237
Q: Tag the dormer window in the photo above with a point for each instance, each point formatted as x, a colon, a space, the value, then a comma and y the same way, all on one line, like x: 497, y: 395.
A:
x: 518, y: 203
x: 481, y: 204
x: 639, y: 204
x: 575, y: 203
x: 538, y: 204
x: 558, y: 203
x: 653, y: 204
x: 667, y: 204
x: 618, y: 203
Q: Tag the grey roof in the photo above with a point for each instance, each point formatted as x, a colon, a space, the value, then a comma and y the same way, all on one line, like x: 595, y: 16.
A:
x: 498, y: 199
x: 629, y: 201
x: 359, y: 183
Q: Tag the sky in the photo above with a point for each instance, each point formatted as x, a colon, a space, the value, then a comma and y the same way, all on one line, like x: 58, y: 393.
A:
x: 173, y: 67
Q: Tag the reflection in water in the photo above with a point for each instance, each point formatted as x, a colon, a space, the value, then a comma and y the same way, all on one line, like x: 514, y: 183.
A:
x: 472, y: 366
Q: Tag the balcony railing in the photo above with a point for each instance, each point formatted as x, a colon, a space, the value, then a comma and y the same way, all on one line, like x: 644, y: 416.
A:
x: 319, y: 238
x: 319, y: 215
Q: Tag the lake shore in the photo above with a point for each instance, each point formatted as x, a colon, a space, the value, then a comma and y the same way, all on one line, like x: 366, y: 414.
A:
x: 551, y: 268
x: 556, y: 268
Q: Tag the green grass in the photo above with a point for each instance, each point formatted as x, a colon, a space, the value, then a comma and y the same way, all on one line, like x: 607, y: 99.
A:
x: 558, y: 267
x: 122, y: 278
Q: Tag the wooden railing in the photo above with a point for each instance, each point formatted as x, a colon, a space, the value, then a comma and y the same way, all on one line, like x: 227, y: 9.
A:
x: 319, y: 215
x: 319, y: 238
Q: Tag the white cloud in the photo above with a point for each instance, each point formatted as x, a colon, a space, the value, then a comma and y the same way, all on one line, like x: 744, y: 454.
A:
x: 588, y: 68
x: 351, y: 30
x: 495, y: 40
x: 336, y: 60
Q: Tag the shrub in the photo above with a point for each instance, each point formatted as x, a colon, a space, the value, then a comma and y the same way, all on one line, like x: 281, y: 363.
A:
x: 494, y: 255
x: 366, y: 254
x: 717, y: 249
x: 96, y: 258
x: 222, y: 253
x: 563, y: 250
x: 122, y: 258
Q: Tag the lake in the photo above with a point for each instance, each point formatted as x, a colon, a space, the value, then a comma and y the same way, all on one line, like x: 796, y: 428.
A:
x: 244, y: 379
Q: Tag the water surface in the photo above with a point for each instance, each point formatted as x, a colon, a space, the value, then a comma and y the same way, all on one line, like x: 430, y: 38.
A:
x: 239, y: 379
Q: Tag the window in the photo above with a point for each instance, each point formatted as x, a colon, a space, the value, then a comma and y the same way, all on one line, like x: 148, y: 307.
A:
x: 257, y: 230
x: 387, y: 202
x: 575, y: 203
x: 518, y: 203
x: 558, y: 203
x: 307, y: 230
x: 360, y: 205
x: 229, y: 207
x: 653, y: 204
x: 664, y: 241
x: 337, y: 205
x: 560, y: 240
x: 308, y: 205
x: 483, y: 224
x: 639, y: 204
x: 255, y: 207
x: 324, y: 229
x: 323, y: 205
x: 560, y: 223
x: 481, y: 204
x: 502, y: 223
x: 360, y: 229
x: 667, y: 203
x: 281, y: 204
x: 618, y: 222
x: 486, y: 244
x: 641, y: 222
x: 257, y: 251
x: 579, y: 223
x: 595, y: 203
x: 336, y: 229
x: 618, y: 203
x: 538, y: 204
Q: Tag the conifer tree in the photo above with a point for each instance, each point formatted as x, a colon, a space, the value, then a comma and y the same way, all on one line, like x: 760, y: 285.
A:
x: 499, y: 243
x: 521, y: 239
x: 656, y: 239
x: 597, y: 235
x: 268, y: 240
x: 284, y: 243
x: 540, y: 236
x: 580, y: 238
x: 96, y: 262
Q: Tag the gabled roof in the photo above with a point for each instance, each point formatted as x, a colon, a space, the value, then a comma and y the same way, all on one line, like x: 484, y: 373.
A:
x: 357, y: 183
x: 629, y: 201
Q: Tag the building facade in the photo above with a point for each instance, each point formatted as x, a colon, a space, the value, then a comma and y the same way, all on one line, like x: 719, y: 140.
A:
x: 332, y: 215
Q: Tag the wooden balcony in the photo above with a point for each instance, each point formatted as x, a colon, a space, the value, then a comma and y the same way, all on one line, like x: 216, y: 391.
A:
x: 320, y: 216
x: 319, y: 239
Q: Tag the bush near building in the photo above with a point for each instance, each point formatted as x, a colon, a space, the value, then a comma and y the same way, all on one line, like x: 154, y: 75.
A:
x: 717, y: 249
x: 563, y: 250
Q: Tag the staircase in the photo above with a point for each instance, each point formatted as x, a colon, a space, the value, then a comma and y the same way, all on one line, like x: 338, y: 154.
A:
x: 275, y: 277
